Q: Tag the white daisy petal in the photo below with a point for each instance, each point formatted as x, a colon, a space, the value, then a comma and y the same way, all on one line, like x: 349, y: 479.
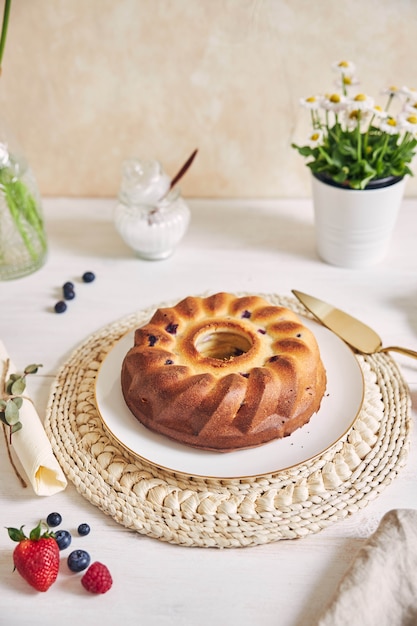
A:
x: 409, y: 92
x: 312, y: 102
x: 315, y: 139
x: 390, y: 126
x: 408, y: 122
x: 361, y: 102
x: 333, y: 102
x: 344, y: 67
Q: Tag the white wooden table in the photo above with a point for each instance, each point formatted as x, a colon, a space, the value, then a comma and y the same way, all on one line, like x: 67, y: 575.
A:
x: 253, y: 246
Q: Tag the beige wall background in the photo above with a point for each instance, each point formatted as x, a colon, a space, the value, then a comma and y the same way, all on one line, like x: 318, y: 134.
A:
x: 88, y: 83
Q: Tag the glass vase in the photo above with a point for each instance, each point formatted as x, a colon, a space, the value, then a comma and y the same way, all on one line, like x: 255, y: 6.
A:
x: 23, y: 242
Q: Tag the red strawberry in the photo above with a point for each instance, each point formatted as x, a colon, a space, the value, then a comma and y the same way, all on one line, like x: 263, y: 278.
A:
x: 97, y: 578
x: 36, y: 557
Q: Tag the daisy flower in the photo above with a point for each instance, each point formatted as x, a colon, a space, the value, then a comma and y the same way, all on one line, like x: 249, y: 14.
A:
x: 409, y: 92
x: 378, y: 111
x: 335, y: 102
x: 346, y: 80
x: 408, y: 122
x: 344, y: 67
x: 355, y: 117
x: 393, y: 90
x: 390, y: 126
x: 361, y: 102
x: 312, y: 102
x: 411, y: 108
x: 315, y: 139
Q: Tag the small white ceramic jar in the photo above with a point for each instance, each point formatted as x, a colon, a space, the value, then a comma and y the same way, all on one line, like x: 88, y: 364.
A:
x: 150, y: 217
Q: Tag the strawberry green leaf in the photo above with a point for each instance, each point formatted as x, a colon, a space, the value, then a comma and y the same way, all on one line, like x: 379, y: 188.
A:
x: 16, y: 534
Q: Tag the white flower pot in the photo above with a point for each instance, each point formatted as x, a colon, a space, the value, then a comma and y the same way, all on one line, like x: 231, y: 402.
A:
x: 354, y: 227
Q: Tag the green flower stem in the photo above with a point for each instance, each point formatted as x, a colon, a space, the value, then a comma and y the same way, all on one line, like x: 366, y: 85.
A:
x: 390, y: 99
x: 359, y: 138
x: 382, y: 153
x: 24, y: 212
x: 6, y: 14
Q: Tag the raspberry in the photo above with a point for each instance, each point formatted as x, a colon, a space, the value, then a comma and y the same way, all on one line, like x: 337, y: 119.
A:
x: 97, y: 578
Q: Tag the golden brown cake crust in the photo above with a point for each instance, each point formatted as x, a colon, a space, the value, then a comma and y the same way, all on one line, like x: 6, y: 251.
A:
x: 223, y: 372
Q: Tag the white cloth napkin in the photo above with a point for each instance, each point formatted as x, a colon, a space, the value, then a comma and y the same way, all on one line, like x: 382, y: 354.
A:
x: 32, y: 446
x: 380, y: 588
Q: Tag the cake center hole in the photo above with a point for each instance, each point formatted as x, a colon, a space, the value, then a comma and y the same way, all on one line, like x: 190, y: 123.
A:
x: 222, y: 344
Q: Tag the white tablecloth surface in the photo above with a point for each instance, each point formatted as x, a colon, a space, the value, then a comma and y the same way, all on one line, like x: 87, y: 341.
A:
x: 251, y: 246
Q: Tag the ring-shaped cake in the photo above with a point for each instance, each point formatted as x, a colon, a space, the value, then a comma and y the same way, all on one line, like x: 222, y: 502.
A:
x: 223, y: 372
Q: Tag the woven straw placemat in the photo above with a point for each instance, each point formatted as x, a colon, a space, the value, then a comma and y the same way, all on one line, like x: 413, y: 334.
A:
x: 226, y: 513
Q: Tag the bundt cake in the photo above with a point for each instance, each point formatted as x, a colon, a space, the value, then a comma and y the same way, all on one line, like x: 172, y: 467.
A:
x: 223, y: 372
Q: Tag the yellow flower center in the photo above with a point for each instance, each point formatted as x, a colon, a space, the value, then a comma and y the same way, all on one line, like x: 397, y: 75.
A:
x: 347, y: 80
x: 314, y: 136
x: 311, y: 99
x: 354, y: 115
x: 377, y: 107
x: 360, y: 97
x: 391, y: 122
x: 334, y: 98
x: 393, y: 88
x: 412, y: 119
x: 344, y: 64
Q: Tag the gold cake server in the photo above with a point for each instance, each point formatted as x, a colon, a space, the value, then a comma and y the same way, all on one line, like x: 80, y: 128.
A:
x: 356, y: 334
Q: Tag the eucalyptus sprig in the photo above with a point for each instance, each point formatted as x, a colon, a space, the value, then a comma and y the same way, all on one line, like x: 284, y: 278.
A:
x: 11, y: 396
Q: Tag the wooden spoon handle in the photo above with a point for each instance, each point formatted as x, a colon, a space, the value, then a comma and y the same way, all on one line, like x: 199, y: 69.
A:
x: 183, y: 169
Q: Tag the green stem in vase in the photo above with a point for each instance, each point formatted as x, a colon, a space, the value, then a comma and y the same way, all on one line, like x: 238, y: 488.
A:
x: 4, y: 28
x: 23, y: 206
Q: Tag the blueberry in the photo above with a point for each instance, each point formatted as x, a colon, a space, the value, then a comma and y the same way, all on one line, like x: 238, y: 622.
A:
x: 68, y: 286
x: 88, y: 277
x: 69, y: 294
x: 60, y: 307
x: 63, y: 539
x: 78, y: 560
x: 53, y: 519
x: 83, y: 529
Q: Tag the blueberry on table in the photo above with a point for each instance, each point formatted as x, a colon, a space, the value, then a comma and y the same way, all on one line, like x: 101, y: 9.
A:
x: 88, y: 277
x: 53, y: 519
x: 68, y: 286
x: 69, y: 294
x: 78, y: 560
x: 63, y: 539
x: 83, y: 529
x: 60, y: 307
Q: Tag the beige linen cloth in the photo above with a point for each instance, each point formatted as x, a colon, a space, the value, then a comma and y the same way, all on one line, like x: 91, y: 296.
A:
x: 32, y: 446
x: 380, y: 588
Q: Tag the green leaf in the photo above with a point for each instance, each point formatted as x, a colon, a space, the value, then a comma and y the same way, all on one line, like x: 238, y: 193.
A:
x: 36, y: 532
x: 18, y: 402
x: 16, y: 534
x: 18, y: 387
x: 32, y: 369
x: 16, y: 427
x: 12, y: 413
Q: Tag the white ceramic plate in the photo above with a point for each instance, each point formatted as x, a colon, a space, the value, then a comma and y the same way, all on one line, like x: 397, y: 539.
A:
x: 339, y: 409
